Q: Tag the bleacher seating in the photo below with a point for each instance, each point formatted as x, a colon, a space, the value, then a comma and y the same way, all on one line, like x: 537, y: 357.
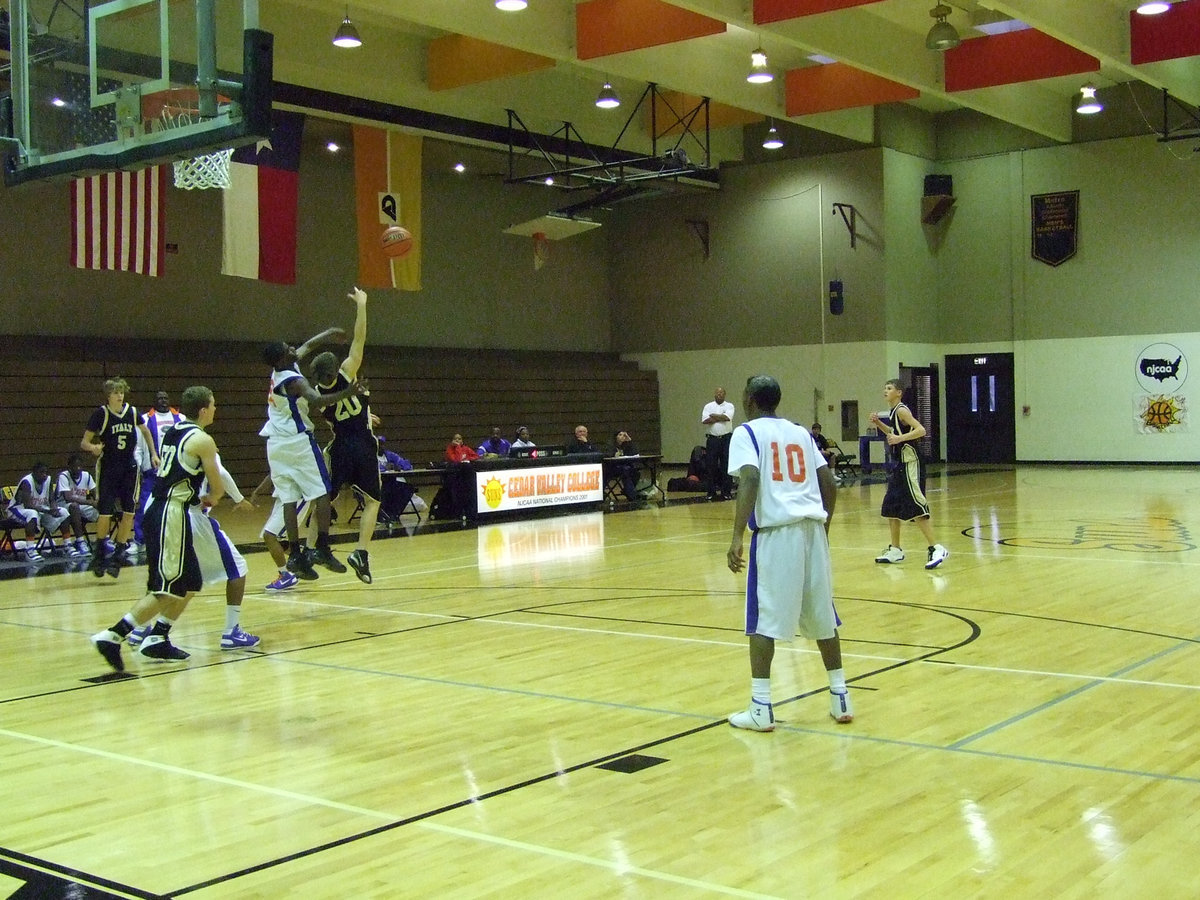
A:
x: 422, y: 395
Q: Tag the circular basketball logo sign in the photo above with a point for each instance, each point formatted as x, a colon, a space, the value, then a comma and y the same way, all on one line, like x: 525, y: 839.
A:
x: 1161, y: 369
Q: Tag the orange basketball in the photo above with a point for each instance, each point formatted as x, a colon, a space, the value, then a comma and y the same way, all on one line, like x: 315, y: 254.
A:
x: 396, y: 241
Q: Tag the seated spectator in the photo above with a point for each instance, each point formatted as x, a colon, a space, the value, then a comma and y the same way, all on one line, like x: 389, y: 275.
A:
x: 580, y: 443
x: 623, y: 445
x: 522, y: 438
x: 458, y: 452
x: 494, y: 446
x: 11, y: 520
x: 823, y: 443
x: 390, y: 460
x: 77, y: 488
x: 35, y: 504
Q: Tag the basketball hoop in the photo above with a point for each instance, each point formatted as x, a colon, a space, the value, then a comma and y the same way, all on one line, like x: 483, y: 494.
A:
x: 178, y: 108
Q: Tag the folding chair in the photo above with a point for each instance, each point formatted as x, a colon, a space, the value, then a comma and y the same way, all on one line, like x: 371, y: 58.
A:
x: 397, y: 500
x: 359, y: 504
x: 8, y: 544
x: 844, y: 465
x: 45, y: 539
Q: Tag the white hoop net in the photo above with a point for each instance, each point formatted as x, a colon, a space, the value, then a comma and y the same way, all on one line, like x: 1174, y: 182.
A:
x: 209, y: 170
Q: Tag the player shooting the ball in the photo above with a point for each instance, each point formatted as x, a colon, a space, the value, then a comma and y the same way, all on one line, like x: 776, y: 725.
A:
x: 353, y: 455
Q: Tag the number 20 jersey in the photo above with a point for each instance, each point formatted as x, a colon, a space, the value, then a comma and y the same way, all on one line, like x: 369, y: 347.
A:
x: 787, y: 460
x: 350, y: 417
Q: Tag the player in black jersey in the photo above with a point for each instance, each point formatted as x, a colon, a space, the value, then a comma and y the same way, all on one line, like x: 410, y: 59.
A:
x: 353, y: 455
x: 111, y: 436
x: 905, y: 500
x: 189, y: 455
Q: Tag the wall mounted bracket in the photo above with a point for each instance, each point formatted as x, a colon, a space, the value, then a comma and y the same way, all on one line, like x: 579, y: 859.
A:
x: 851, y: 220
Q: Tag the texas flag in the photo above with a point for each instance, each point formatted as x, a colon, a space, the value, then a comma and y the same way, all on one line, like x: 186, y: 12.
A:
x: 261, y: 204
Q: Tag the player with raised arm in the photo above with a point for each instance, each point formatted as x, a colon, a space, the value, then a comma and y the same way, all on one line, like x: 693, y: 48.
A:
x: 353, y: 455
x: 296, y: 463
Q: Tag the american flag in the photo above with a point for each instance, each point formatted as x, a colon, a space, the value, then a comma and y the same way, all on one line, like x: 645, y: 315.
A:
x: 118, y: 221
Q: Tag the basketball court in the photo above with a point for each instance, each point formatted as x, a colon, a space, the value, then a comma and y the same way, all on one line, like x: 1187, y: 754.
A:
x: 537, y: 708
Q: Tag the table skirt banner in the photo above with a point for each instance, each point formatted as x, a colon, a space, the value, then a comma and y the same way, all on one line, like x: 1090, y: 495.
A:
x: 505, y: 490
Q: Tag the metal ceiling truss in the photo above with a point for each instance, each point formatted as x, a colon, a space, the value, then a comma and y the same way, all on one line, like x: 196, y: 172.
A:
x: 1188, y: 131
x: 574, y: 164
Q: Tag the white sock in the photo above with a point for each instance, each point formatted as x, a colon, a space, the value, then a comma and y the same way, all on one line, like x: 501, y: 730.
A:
x: 837, y: 681
x: 760, y: 689
x: 233, y: 615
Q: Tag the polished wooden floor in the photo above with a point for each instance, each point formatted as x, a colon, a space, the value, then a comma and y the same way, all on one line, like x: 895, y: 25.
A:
x: 536, y: 709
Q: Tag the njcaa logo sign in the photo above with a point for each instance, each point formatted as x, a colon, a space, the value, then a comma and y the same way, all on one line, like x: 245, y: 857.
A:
x: 1161, y: 368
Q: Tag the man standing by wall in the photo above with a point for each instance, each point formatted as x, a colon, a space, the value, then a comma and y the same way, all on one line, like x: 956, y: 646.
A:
x: 717, y: 418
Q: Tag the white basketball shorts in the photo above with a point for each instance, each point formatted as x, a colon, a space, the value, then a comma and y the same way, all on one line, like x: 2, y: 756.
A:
x: 789, y: 585
x: 297, y: 468
x: 219, y: 559
x: 275, y: 523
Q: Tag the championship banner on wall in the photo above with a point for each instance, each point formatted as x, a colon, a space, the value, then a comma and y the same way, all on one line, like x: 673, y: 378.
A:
x: 503, y: 490
x: 1055, y: 225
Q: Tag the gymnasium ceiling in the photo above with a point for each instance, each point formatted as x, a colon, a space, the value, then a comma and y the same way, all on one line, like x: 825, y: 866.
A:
x: 454, y: 57
x: 454, y: 68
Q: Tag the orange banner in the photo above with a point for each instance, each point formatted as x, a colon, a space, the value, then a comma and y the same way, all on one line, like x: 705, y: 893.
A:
x: 387, y: 188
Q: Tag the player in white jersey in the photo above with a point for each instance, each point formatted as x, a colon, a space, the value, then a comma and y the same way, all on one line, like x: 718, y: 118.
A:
x: 156, y: 420
x: 786, y: 496
x: 296, y: 462
x: 274, y: 527
x: 35, y: 504
x: 77, y: 488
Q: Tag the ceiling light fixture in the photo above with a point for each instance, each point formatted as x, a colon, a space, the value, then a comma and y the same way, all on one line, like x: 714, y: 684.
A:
x: 942, y: 36
x: 1088, y: 103
x: 607, y: 98
x: 772, y: 141
x: 347, y: 34
x: 759, y: 73
x: 460, y: 168
x: 1153, y: 9
x: 511, y: 5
